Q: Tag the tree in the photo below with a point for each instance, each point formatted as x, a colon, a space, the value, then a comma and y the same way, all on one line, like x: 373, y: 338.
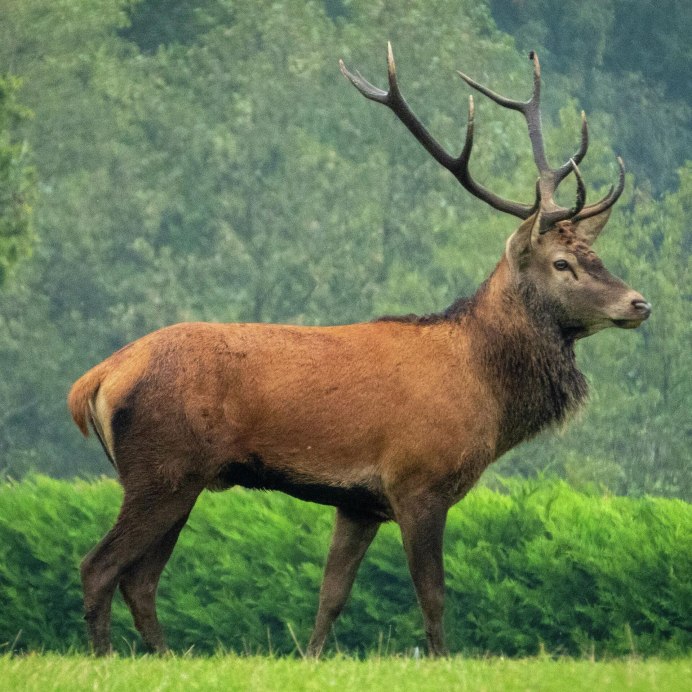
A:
x: 647, y: 92
x: 17, y: 181
x: 207, y: 161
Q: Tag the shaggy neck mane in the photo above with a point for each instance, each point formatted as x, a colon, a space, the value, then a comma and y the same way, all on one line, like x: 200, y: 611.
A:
x: 534, y: 366
x: 528, y: 360
x: 459, y: 308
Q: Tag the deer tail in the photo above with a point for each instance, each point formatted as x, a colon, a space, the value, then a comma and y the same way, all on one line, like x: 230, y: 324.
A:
x: 80, y: 400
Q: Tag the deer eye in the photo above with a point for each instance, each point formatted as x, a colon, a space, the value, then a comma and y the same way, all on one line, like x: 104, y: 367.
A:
x: 561, y: 265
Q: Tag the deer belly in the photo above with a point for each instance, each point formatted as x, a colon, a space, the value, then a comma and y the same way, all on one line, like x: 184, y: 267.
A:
x: 358, y: 497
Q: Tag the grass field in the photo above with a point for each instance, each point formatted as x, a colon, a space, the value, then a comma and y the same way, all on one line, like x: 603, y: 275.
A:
x: 230, y: 672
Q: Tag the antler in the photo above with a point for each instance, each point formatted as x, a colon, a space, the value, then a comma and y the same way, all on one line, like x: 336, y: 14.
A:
x: 549, y: 178
x: 459, y: 166
x: 608, y: 201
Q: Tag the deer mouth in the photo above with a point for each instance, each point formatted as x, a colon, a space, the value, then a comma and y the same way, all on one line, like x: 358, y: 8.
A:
x: 628, y: 324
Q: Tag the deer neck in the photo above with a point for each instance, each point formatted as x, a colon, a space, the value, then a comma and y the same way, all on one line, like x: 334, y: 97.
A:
x: 529, y: 364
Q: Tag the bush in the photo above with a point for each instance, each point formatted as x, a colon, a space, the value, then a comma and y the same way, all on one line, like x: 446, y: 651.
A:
x: 543, y: 567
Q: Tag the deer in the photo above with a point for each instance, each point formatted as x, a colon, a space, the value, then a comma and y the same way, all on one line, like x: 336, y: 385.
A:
x: 392, y: 419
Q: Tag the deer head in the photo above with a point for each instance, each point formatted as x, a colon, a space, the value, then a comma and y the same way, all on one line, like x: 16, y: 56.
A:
x: 550, y: 253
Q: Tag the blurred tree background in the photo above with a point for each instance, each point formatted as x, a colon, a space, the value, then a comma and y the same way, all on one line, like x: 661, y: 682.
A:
x: 168, y: 160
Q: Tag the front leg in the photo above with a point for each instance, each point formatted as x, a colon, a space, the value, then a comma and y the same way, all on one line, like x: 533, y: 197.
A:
x: 422, y: 522
x: 352, y: 537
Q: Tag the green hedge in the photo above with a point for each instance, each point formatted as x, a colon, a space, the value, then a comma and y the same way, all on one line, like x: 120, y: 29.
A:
x: 542, y: 567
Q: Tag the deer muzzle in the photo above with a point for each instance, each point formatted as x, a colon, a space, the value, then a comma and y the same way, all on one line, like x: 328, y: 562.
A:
x: 639, y: 310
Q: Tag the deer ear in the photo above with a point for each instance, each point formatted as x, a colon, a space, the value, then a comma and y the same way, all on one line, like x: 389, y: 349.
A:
x: 519, y: 243
x: 589, y: 229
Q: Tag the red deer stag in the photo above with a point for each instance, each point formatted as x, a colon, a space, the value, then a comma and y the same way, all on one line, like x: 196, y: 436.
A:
x: 393, y: 419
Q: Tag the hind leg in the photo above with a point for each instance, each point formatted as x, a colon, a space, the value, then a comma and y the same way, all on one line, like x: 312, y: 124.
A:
x: 146, y: 520
x: 138, y: 586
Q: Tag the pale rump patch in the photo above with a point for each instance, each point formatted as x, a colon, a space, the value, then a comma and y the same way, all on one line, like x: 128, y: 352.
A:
x: 101, y: 416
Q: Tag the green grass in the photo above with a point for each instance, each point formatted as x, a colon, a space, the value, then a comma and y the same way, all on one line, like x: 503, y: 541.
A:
x: 230, y: 672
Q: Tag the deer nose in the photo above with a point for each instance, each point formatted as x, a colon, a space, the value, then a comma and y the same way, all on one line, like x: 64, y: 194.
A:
x: 642, y: 307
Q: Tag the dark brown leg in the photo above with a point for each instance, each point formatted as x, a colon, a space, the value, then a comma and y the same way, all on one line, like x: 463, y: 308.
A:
x: 138, y: 586
x: 146, y: 518
x: 422, y: 530
x: 352, y: 537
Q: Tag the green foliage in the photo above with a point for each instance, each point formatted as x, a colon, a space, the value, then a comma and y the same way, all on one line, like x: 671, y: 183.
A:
x: 158, y: 23
x: 17, y: 183
x: 205, y: 160
x: 541, y: 568
x: 647, y: 91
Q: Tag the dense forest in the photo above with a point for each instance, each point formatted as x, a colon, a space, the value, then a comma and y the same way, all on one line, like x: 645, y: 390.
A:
x: 167, y: 160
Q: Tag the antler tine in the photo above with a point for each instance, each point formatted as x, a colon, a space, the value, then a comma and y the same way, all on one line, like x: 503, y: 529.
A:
x: 549, y: 218
x: 395, y: 101
x: 368, y: 90
x: 498, y: 98
x: 581, y: 189
x: 607, y: 201
x: 566, y: 168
